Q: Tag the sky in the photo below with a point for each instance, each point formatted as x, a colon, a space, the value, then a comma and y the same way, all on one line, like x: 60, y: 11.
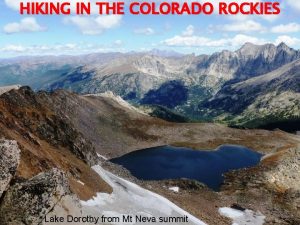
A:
x: 199, y: 34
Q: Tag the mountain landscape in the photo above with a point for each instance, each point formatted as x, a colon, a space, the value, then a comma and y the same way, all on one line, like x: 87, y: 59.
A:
x: 63, y: 119
x: 71, y: 132
x: 238, y: 88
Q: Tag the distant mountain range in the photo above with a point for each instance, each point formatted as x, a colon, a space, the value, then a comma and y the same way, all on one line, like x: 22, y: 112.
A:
x: 253, y: 86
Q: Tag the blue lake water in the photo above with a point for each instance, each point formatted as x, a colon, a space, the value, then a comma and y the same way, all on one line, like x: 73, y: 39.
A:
x: 169, y: 162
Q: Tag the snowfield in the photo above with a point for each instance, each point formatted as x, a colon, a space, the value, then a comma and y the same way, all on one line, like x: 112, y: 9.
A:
x: 130, y: 199
x: 247, y: 217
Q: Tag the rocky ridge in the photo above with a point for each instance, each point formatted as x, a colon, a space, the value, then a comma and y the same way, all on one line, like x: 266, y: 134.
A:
x: 50, y: 165
x: 29, y: 202
x: 134, y: 75
x: 274, y: 96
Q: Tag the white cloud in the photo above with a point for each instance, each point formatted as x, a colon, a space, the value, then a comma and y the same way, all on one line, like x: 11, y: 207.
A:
x: 294, y: 4
x: 40, y: 49
x: 144, y: 31
x: 14, y: 4
x: 246, y: 26
x: 189, y: 31
x: 94, y: 25
x: 28, y: 24
x: 118, y: 43
x: 13, y: 48
x: 198, y: 41
x: 270, y: 18
x: 192, y: 40
x: 186, y: 41
x: 290, y: 41
x: 241, y: 39
x: 59, y: 49
x: 228, y: 42
x: 108, y: 21
x: 286, y: 28
x: 90, y: 25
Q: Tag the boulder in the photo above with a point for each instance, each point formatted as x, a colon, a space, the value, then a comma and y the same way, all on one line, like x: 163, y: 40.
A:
x: 31, y: 201
x: 9, y: 162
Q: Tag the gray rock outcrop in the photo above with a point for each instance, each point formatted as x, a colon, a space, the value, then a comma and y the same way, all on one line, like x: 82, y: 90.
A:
x: 9, y: 161
x: 31, y: 201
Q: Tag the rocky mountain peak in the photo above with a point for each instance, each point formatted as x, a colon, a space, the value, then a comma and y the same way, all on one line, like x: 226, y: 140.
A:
x: 253, y: 51
x: 283, y: 46
x: 266, y: 50
x: 248, y: 45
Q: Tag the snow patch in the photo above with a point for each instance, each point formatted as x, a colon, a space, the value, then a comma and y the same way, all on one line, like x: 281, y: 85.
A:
x: 175, y: 189
x: 247, y: 217
x: 101, y: 199
x: 130, y: 199
x: 101, y: 156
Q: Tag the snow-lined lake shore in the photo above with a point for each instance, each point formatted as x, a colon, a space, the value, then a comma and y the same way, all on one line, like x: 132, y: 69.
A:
x: 130, y: 199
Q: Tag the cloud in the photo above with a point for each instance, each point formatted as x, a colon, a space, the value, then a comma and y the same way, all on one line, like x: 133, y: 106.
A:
x: 40, y: 49
x: 13, y: 4
x: 246, y: 26
x: 294, y: 4
x: 144, y: 31
x: 94, y: 25
x: 59, y: 49
x: 28, y: 24
x: 290, y: 41
x: 200, y: 41
x: 226, y: 43
x: 118, y: 43
x: 286, y: 28
x: 13, y: 48
x: 189, y: 31
x: 90, y: 25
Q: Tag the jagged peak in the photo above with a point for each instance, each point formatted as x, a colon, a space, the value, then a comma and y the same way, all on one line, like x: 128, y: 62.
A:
x: 283, y: 46
x: 248, y: 46
x: 253, y: 50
